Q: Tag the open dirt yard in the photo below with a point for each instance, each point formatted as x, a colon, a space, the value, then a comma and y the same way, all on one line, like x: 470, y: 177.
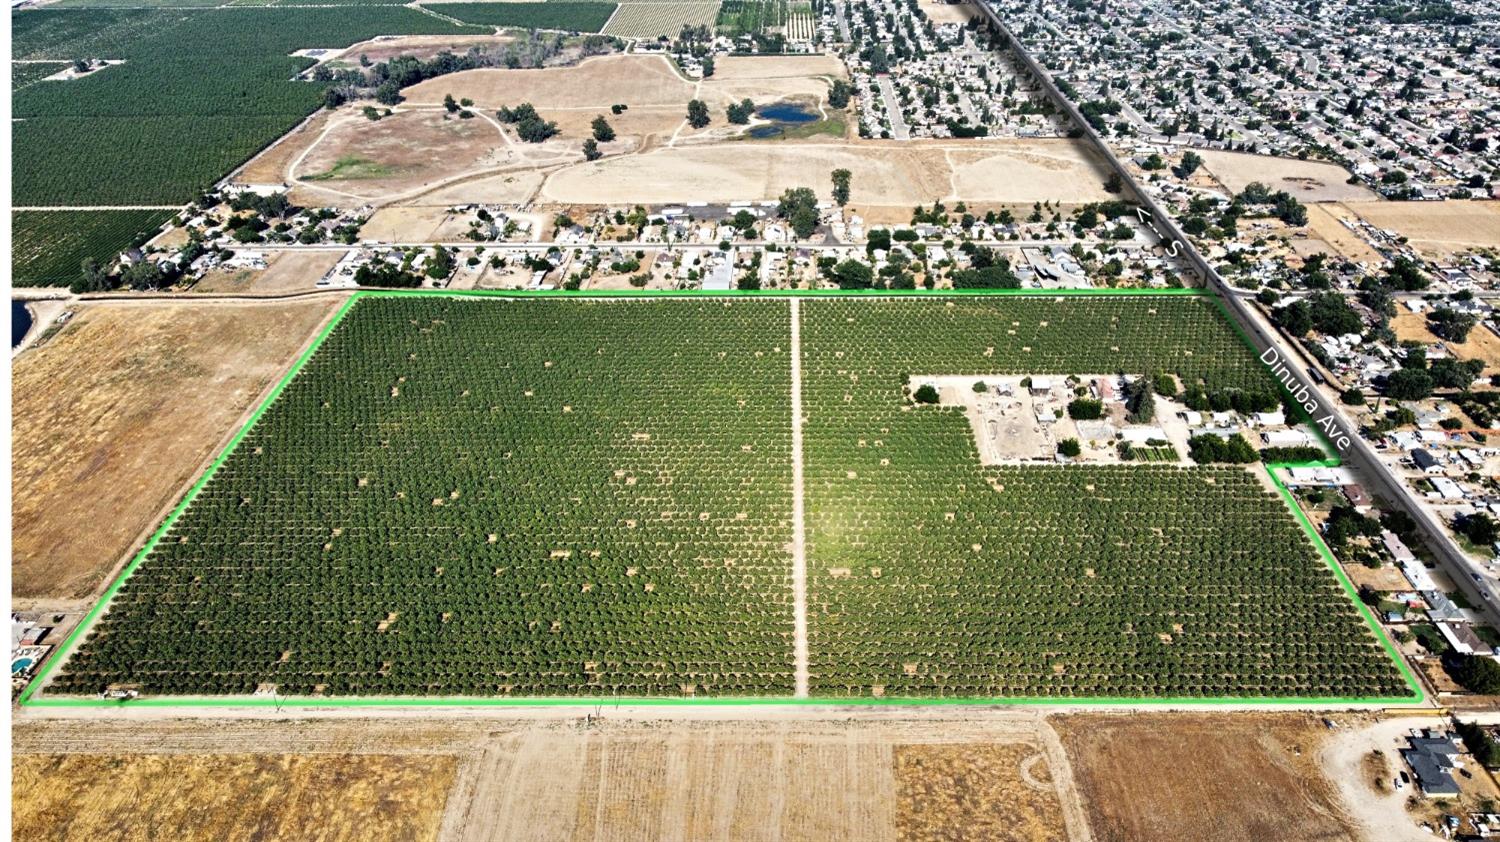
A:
x: 1171, y: 777
x: 1482, y: 343
x: 789, y: 778
x: 1323, y: 224
x: 286, y: 271
x: 228, y: 797
x: 941, y: 11
x: 883, y: 173
x: 117, y: 412
x: 1438, y: 228
x: 1309, y: 181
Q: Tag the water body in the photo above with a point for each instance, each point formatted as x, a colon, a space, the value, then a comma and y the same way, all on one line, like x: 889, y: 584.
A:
x: 20, y: 322
x: 762, y: 132
x: 787, y: 112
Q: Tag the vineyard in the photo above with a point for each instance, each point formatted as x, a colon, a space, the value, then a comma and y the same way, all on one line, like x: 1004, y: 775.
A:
x: 48, y: 247
x: 653, y: 20
x: 467, y: 497
x: 567, y: 16
x: 801, y: 24
x: 932, y: 576
x: 574, y: 498
x: 751, y: 17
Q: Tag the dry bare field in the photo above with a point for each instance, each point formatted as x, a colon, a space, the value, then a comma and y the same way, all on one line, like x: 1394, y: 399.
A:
x: 1438, y: 228
x: 1323, y: 224
x: 228, y: 797
x: 272, y: 165
x: 551, y: 778
x: 883, y: 173
x: 403, y: 152
x: 286, y: 271
x: 418, y: 46
x: 1309, y: 181
x: 114, y: 414
x: 1168, y: 777
x: 633, y: 80
x: 1482, y: 343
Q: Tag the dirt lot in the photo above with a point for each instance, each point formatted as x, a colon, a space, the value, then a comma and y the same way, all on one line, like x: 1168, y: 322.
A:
x: 1323, y: 223
x: 1309, y: 181
x: 1173, y: 777
x: 1438, y: 228
x: 286, y: 271
x: 976, y: 792
x: 939, y: 11
x: 1482, y: 343
x: 883, y: 173
x: 102, y: 448
x: 788, y: 778
x: 228, y: 797
x: 1386, y: 578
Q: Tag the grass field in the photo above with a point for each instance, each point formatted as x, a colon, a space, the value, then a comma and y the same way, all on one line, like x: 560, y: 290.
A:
x: 48, y: 247
x: 593, y: 498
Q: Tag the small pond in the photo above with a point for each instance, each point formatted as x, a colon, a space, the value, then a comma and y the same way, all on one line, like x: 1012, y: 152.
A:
x: 787, y: 112
x: 20, y: 321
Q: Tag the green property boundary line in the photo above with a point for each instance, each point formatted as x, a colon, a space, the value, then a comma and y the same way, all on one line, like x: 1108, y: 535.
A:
x: 29, y: 697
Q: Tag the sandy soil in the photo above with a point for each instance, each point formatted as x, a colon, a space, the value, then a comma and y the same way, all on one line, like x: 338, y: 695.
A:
x: 228, y: 797
x: 1438, y: 228
x: 1173, y: 777
x: 286, y: 271
x: 883, y: 173
x: 502, y: 188
x: 101, y: 449
x: 1309, y: 181
x: 1482, y: 343
x: 415, y: 224
x: 1323, y: 224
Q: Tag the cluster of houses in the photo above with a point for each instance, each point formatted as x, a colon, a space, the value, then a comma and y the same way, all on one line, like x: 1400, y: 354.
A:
x: 954, y: 77
x: 1397, y: 103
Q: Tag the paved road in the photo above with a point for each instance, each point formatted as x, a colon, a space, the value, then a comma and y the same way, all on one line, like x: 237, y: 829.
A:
x: 899, y: 130
x: 1352, y: 448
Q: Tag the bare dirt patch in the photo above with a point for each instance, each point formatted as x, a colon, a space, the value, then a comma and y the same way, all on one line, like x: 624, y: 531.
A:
x: 272, y: 165
x: 286, y: 271
x: 229, y: 797
x: 975, y: 791
x: 1438, y: 228
x: 743, y: 68
x: 1386, y: 578
x: 1482, y: 343
x: 1323, y: 223
x: 419, y: 46
x: 1309, y: 181
x: 1209, y: 776
x: 100, y: 449
x: 940, y: 11
x: 883, y: 174
x: 633, y: 80
x: 406, y: 151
